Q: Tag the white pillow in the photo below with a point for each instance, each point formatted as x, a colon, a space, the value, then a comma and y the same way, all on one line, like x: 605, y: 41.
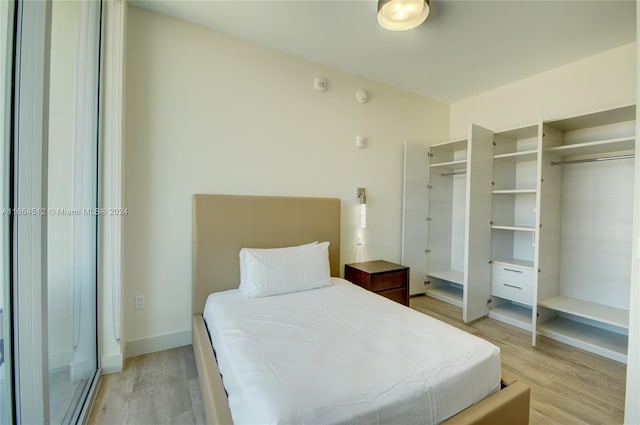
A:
x: 243, y: 252
x: 265, y: 272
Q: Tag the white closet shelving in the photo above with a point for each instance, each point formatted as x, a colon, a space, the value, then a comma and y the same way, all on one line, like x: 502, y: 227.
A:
x: 585, y: 242
x: 513, y: 224
x: 446, y: 221
x: 531, y: 226
x: 589, y: 310
x: 514, y: 228
x: 454, y: 260
x: 596, y: 147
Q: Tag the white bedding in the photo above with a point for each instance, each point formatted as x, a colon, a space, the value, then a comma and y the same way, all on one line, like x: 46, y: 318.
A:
x: 339, y: 355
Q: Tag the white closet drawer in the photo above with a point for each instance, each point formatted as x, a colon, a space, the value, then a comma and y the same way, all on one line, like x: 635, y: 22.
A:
x: 512, y: 291
x: 521, y: 276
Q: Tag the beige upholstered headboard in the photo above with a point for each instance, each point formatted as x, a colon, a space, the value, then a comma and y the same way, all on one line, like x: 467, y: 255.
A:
x: 222, y: 224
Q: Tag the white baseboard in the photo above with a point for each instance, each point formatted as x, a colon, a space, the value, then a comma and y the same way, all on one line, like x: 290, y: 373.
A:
x: 153, y: 344
x: 112, y: 363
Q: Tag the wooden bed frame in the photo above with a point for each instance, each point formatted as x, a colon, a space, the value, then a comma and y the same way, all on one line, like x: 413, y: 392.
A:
x: 222, y: 224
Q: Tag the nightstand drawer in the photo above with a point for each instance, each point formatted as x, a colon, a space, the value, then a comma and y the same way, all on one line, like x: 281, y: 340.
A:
x: 382, y: 277
x: 521, y: 276
x: 512, y: 291
x: 390, y: 280
x: 398, y: 295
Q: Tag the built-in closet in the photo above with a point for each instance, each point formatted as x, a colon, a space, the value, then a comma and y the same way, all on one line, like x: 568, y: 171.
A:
x: 530, y: 226
x: 443, y: 240
x: 586, y: 214
x: 515, y: 190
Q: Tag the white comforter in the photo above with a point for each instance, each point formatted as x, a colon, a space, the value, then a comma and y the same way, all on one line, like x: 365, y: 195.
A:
x: 343, y: 355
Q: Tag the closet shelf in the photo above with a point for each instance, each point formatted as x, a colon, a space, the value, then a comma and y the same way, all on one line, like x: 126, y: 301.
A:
x: 515, y: 228
x: 599, y: 341
x: 514, y: 261
x: 451, y: 146
x: 588, y: 310
x: 596, y: 119
x: 515, y: 134
x: 513, y: 191
x: 597, y: 147
x: 512, y: 314
x: 448, y: 294
x: 449, y: 275
x: 522, y: 156
x: 450, y: 163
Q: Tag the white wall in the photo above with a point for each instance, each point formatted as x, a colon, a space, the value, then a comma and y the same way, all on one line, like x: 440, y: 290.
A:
x: 599, y: 82
x: 208, y: 113
x: 59, y: 228
x: 632, y: 399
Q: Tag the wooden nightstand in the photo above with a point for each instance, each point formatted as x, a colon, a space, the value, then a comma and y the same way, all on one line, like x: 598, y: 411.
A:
x: 382, y: 277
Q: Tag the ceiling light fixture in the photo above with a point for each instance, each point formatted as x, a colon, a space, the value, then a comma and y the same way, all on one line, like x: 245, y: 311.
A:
x: 400, y: 15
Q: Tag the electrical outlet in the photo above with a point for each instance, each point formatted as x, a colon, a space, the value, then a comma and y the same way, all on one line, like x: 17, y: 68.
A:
x: 139, y: 302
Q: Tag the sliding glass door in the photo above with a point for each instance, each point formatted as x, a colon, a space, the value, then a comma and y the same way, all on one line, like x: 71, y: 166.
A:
x: 55, y: 214
x: 6, y: 78
x: 72, y: 196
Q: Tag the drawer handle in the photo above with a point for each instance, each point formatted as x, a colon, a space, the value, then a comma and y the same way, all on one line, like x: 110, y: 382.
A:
x: 512, y: 270
x: 512, y: 286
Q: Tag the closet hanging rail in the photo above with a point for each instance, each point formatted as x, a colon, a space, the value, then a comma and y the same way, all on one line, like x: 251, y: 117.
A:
x: 604, y: 158
x: 453, y: 173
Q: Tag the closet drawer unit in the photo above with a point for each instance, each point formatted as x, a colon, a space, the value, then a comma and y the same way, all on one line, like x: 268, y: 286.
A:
x: 512, y: 291
x: 520, y: 276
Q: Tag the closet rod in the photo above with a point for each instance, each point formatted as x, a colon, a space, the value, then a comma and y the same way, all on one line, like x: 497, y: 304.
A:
x: 453, y: 173
x: 605, y: 158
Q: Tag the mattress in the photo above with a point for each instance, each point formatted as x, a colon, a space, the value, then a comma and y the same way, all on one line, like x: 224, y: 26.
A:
x: 340, y: 355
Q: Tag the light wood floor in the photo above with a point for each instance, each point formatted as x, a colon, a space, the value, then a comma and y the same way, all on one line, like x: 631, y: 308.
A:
x: 158, y: 388
x: 568, y: 386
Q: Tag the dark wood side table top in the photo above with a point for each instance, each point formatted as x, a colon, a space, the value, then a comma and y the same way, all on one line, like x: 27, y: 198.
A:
x: 377, y: 266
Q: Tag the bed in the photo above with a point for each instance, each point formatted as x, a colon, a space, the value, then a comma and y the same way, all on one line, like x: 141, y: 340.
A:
x: 222, y: 225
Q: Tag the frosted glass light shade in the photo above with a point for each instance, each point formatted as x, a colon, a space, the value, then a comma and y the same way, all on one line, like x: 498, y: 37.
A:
x: 400, y: 15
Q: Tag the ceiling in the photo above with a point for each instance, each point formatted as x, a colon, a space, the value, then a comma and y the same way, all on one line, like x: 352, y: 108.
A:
x: 464, y: 47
